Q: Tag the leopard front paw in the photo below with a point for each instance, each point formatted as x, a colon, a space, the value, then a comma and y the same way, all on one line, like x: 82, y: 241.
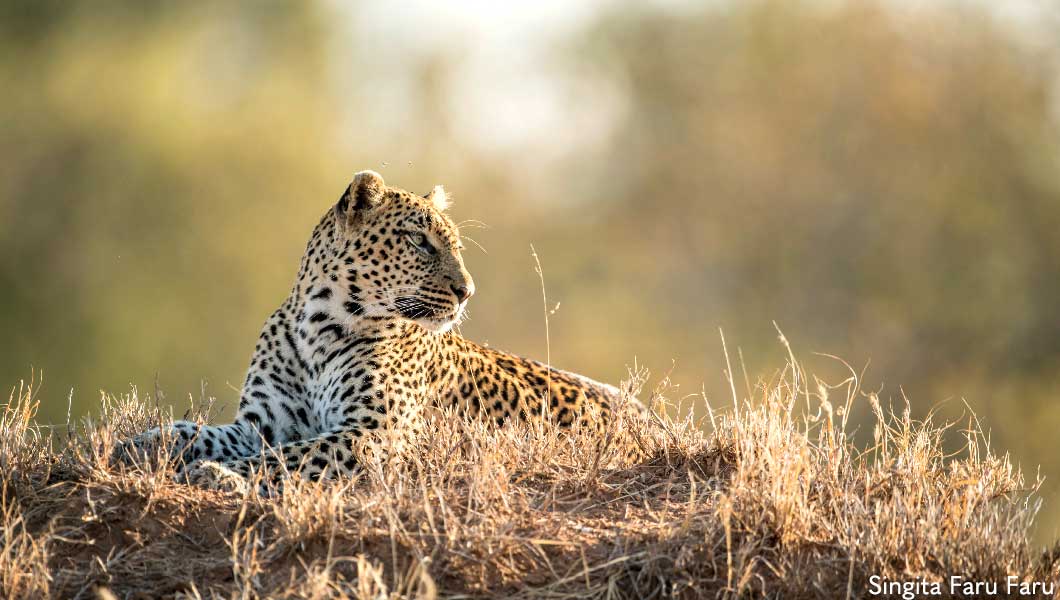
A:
x: 141, y: 450
x: 172, y: 444
x: 213, y: 476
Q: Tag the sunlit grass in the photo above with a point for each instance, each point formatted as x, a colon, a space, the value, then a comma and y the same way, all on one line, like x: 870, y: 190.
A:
x: 751, y: 500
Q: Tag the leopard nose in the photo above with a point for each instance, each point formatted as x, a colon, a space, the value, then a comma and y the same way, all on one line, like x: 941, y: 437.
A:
x: 463, y: 292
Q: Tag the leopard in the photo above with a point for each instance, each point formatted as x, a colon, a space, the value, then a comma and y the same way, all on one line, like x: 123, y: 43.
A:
x: 365, y: 343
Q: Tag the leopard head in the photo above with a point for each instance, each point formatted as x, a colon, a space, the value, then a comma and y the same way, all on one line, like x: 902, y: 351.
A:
x: 397, y: 255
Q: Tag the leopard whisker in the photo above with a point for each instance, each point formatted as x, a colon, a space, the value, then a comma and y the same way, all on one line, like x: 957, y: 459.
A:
x: 475, y: 242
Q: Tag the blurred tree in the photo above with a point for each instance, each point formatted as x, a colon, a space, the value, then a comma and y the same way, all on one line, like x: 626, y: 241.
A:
x: 148, y: 149
x: 882, y: 181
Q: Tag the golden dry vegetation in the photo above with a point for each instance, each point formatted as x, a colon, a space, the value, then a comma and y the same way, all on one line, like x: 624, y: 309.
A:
x: 766, y: 504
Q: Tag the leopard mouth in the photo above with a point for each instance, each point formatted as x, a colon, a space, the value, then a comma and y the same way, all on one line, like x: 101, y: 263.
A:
x: 415, y: 309
x: 432, y: 317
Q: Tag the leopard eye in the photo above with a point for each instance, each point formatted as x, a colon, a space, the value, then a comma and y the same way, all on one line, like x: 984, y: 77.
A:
x: 419, y: 240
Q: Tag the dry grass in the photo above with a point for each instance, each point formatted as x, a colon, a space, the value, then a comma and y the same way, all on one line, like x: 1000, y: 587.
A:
x: 767, y: 504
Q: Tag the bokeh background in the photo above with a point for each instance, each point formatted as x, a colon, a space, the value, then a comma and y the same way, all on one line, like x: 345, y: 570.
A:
x: 882, y: 179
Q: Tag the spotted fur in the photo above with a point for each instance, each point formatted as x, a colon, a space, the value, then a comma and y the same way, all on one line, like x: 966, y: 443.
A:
x: 363, y: 345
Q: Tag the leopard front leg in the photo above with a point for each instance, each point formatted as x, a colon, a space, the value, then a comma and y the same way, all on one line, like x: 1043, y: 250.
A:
x: 186, y: 442
x: 332, y: 455
x: 360, y: 419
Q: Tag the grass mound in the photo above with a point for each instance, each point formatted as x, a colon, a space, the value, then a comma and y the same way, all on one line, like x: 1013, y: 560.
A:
x: 767, y: 503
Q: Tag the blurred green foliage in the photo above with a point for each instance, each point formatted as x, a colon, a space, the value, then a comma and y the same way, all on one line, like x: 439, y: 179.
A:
x: 882, y: 182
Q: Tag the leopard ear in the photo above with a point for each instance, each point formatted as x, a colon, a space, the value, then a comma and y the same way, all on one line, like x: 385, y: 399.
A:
x: 439, y: 198
x: 366, y: 192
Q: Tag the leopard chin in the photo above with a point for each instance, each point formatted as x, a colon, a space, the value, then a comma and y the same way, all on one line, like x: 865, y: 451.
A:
x: 437, y: 326
x: 439, y: 322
